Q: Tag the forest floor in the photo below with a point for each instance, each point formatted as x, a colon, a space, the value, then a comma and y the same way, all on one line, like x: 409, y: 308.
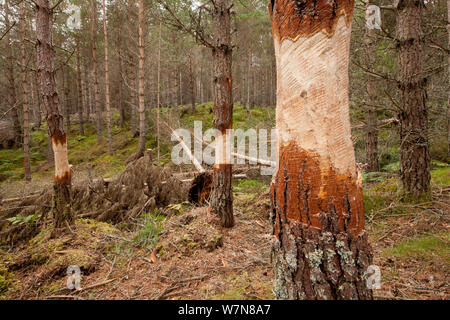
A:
x: 180, y: 252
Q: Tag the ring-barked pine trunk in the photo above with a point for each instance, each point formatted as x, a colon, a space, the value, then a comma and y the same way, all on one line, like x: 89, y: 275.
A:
x: 320, y: 250
x: 45, y: 55
x: 222, y: 195
x: 413, y: 114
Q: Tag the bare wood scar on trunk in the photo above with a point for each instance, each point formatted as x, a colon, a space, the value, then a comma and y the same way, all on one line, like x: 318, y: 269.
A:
x: 314, y: 190
x: 293, y: 19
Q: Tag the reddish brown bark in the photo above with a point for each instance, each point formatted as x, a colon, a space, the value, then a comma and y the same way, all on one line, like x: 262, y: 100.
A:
x: 413, y: 115
x: 292, y: 19
x: 222, y: 195
x: 320, y: 248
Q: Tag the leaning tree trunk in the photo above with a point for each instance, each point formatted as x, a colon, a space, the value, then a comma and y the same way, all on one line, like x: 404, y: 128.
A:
x: 62, y: 184
x: 371, y: 112
x: 413, y: 117
x: 25, y: 105
x: 95, y: 71
x: 107, y: 96
x: 222, y: 195
x: 320, y: 250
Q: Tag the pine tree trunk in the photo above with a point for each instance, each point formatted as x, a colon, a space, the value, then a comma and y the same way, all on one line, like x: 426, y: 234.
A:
x: 64, y: 99
x: 62, y: 184
x: 191, y: 82
x: 222, y: 195
x: 80, y: 89
x: 158, y: 98
x: 87, y: 93
x: 249, y: 72
x: 123, y: 116
x: 25, y: 106
x: 36, y: 99
x: 320, y: 250
x: 98, y: 110
x: 142, y: 128
x: 413, y: 115
x: 12, y: 98
x: 371, y: 112
x: 107, y: 96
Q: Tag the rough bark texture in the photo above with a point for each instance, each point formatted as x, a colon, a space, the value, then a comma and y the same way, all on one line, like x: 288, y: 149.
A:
x: 222, y: 195
x: 98, y: 110
x: 371, y: 112
x: 319, y: 250
x: 448, y: 68
x: 25, y: 105
x: 107, y: 96
x: 414, y: 146
x: 62, y: 184
x: 36, y: 97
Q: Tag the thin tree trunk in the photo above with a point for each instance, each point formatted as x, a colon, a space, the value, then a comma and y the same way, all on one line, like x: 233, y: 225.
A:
x: 62, y: 183
x: 80, y: 88
x: 25, y: 106
x: 371, y: 112
x: 320, y: 250
x: 87, y: 93
x: 12, y: 98
x: 191, y: 82
x: 133, y: 99
x: 36, y: 97
x: 98, y: 111
x: 64, y: 99
x: 142, y: 129
x: 121, y: 98
x: 413, y: 115
x: 249, y: 72
x: 158, y: 89
x: 107, y: 97
x: 181, y: 87
x: 222, y: 195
